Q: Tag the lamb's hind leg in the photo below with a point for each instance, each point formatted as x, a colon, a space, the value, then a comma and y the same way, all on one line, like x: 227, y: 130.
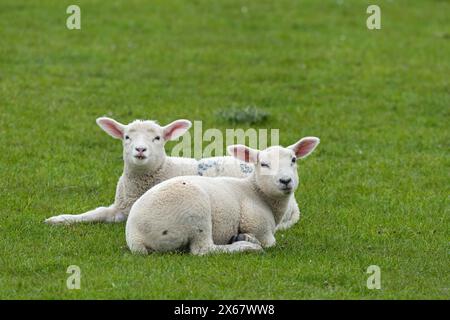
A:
x: 206, y: 246
x: 244, y: 237
x: 100, y: 214
x: 239, y: 246
x: 201, y: 242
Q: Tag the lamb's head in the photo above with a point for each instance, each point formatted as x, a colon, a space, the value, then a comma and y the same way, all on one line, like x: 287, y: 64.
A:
x: 143, y: 141
x: 276, y: 167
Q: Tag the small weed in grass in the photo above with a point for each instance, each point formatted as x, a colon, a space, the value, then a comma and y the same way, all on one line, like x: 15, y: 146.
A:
x: 249, y: 114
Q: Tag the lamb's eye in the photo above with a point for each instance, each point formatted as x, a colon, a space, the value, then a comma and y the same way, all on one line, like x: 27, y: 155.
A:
x: 127, y: 138
x: 265, y: 165
x: 156, y: 138
x: 294, y: 160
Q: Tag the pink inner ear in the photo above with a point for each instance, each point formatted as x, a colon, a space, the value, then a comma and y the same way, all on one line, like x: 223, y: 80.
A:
x: 305, y: 147
x: 242, y: 154
x: 172, y: 130
x: 246, y: 155
x: 113, y: 129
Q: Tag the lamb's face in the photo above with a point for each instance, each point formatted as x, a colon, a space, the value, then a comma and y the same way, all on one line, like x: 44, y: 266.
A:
x: 276, y: 171
x: 143, y: 141
x: 143, y: 144
x: 276, y: 167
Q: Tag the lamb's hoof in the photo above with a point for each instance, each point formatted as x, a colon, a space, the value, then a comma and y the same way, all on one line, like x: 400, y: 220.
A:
x: 244, y: 237
x: 282, y: 226
x: 118, y: 217
x: 61, y: 219
x: 247, y: 246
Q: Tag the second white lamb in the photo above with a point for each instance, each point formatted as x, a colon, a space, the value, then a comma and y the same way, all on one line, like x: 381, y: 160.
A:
x: 202, y: 214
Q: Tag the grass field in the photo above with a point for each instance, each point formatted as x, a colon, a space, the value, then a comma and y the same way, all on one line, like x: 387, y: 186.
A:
x: 374, y: 193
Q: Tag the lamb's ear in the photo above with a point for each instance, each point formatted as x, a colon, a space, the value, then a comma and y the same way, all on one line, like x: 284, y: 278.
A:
x: 243, y: 153
x: 305, y: 146
x: 111, y: 127
x: 176, y: 129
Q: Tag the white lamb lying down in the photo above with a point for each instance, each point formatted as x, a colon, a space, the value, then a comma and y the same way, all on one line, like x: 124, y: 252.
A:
x: 202, y: 214
x: 146, y: 164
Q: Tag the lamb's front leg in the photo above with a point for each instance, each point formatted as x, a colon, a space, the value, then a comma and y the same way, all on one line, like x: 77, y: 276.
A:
x: 291, y: 216
x: 100, y: 214
x: 268, y: 240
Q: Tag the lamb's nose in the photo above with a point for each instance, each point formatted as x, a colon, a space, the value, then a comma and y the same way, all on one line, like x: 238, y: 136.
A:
x: 141, y: 150
x: 285, y: 181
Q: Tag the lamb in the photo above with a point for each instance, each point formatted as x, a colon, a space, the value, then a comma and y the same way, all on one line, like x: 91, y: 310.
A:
x: 146, y: 165
x: 202, y: 214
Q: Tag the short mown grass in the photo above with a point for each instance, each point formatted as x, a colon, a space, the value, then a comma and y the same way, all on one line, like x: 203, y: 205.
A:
x: 374, y: 193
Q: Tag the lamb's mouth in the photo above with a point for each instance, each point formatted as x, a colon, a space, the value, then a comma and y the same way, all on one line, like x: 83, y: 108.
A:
x: 140, y: 157
x: 286, y: 189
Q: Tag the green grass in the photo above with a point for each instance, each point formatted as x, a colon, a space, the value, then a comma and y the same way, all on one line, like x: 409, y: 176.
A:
x: 375, y: 192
